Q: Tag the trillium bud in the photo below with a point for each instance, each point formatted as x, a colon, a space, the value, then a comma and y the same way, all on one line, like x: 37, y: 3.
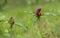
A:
x: 11, y: 21
x: 38, y: 13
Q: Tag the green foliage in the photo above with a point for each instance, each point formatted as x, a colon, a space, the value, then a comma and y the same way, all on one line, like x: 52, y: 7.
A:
x: 26, y: 24
x: 2, y: 4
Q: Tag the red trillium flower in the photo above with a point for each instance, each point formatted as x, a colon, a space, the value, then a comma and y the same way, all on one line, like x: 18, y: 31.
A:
x: 38, y: 13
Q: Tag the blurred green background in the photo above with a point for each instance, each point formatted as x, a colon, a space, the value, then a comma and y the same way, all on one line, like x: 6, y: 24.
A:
x: 26, y: 24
